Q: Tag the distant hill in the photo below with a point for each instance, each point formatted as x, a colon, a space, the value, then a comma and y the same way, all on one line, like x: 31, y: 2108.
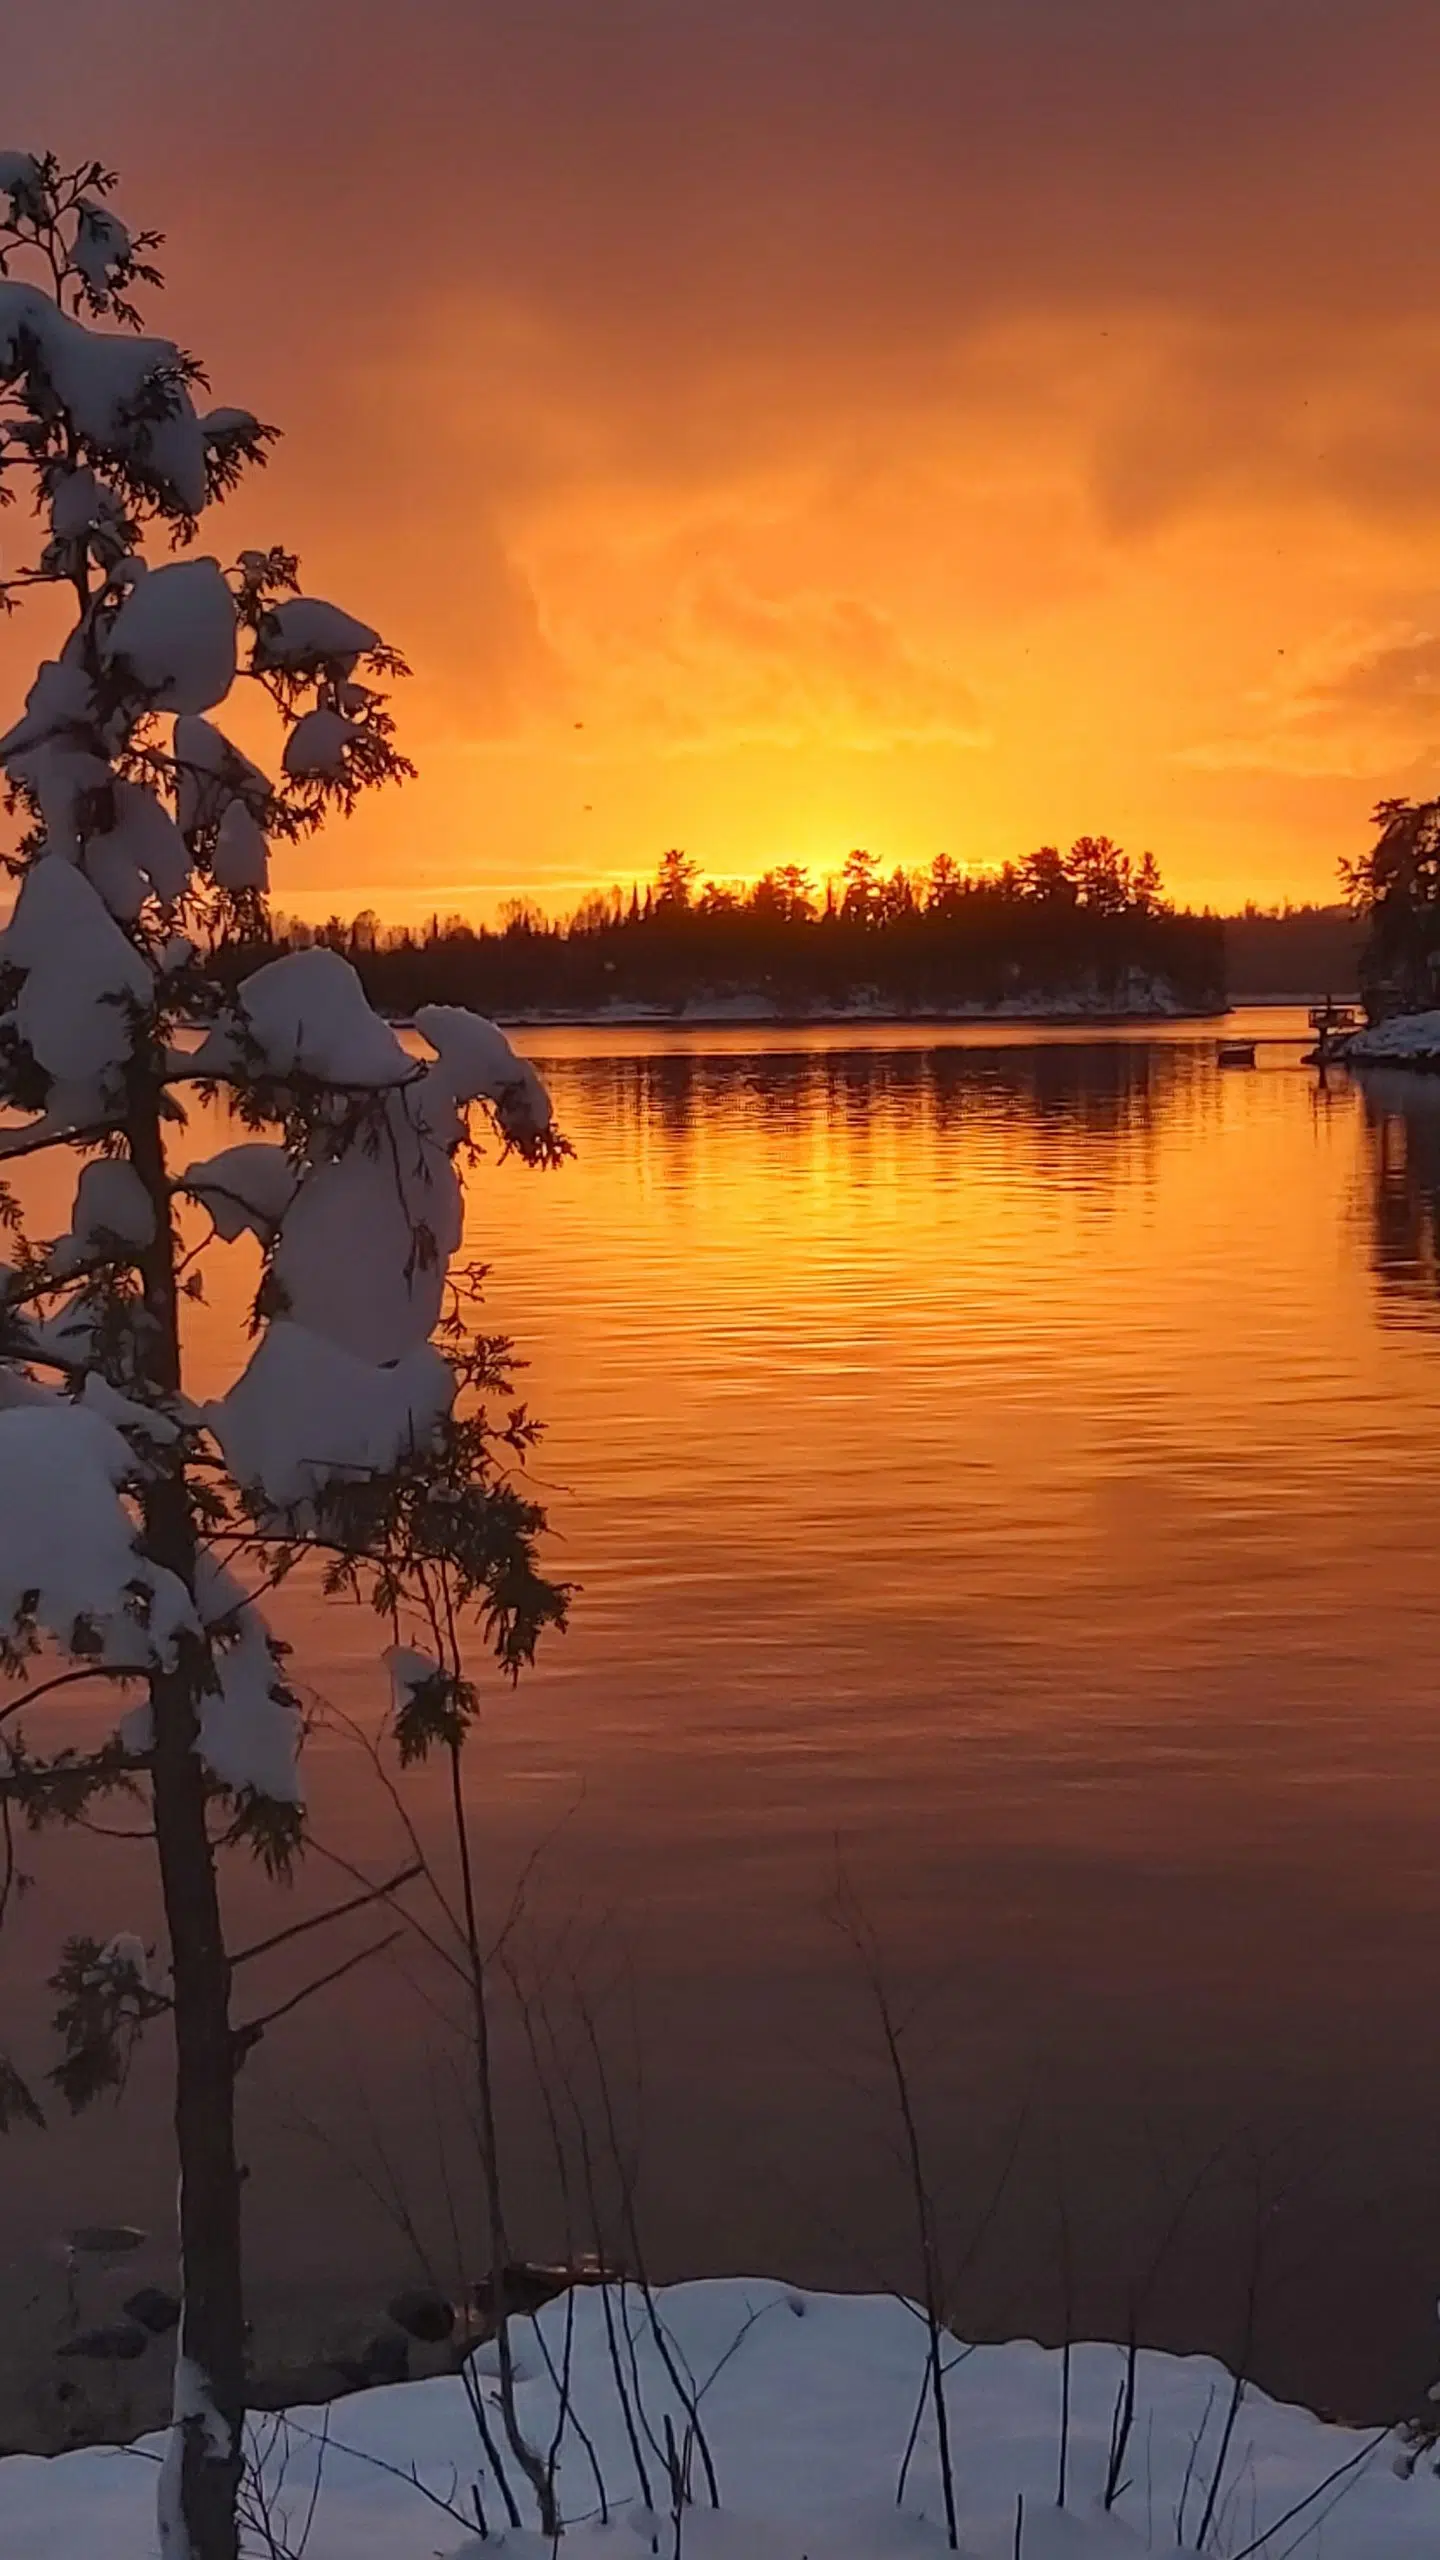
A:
x: 1292, y: 951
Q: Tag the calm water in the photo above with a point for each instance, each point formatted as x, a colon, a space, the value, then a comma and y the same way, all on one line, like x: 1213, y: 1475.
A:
x: 1005, y: 1467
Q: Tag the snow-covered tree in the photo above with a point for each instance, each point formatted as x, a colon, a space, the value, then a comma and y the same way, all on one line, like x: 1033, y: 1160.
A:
x: 138, y: 1529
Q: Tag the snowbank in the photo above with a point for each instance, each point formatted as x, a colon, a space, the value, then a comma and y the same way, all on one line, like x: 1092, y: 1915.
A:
x: 808, y: 2402
x: 1406, y: 1040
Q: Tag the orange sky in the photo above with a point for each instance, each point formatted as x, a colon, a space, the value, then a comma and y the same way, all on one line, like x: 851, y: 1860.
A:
x: 770, y: 428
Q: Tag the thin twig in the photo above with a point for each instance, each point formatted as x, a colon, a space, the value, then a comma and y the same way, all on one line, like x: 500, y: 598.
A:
x: 376, y: 2462
x: 254, y: 2028
x: 853, y: 1920
x: 1067, y: 2343
x: 401, y: 1810
x: 1243, y: 2360
x: 319, y: 1919
x: 334, y: 1858
x: 663, y: 2342
x: 67, y: 1680
x: 1341, y: 2471
x: 1187, y: 2482
x: 583, y: 2145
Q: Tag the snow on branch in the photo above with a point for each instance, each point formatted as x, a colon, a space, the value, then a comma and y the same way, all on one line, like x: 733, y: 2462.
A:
x: 247, y: 1189
x: 82, y: 982
x: 139, y: 854
x: 70, y: 1560
x: 365, y: 1230
x: 241, y: 855
x: 477, y: 1063
x: 172, y: 641
x: 211, y: 774
x: 250, y: 1726
x: 113, y: 1218
x: 128, y: 398
x: 22, y: 182
x: 305, y: 1413
x: 307, y: 1015
x: 316, y: 749
x: 303, y: 636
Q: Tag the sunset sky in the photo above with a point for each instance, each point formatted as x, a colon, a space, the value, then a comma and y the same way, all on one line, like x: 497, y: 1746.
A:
x: 772, y: 428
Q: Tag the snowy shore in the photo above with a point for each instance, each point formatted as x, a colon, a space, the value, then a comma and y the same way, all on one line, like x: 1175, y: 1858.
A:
x: 807, y: 2402
x: 1406, y: 1040
x: 1149, y: 1003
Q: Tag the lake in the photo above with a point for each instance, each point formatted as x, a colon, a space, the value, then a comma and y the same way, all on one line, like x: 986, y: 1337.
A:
x: 1001, y: 1470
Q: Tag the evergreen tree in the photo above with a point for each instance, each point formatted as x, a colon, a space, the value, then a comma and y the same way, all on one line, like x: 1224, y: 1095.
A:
x: 1394, y: 888
x: 675, y: 882
x: 860, y: 901
x: 137, y: 1527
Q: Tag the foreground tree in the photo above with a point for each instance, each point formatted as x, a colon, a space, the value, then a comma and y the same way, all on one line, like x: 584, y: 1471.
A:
x: 137, y: 1528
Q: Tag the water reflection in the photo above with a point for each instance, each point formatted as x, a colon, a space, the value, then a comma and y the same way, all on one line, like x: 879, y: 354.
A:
x: 1402, y: 1128
x: 1084, y: 1117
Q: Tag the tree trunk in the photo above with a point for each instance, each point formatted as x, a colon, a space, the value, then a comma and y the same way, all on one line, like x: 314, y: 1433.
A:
x: 199, y: 2523
x: 210, y: 2378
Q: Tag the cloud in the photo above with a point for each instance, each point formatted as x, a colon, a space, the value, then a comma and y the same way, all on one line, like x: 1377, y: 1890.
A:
x: 1397, y: 682
x: 1275, y: 414
x: 1363, y: 705
x: 737, y: 667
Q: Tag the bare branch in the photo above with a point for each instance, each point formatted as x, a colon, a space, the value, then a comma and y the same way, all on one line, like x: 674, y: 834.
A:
x: 69, y: 1680
x: 250, y: 2033
x: 321, y: 1919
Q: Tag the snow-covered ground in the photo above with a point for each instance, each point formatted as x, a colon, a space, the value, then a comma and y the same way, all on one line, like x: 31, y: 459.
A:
x: 1406, y: 1040
x: 1141, y: 999
x: 808, y: 2402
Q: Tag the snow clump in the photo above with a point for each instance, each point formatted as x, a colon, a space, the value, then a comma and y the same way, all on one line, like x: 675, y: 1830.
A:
x: 69, y: 1555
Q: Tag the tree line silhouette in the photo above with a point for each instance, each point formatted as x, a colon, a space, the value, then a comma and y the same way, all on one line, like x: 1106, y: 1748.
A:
x: 1089, y: 929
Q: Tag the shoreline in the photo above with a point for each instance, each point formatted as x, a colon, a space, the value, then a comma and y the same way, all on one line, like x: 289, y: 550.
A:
x: 315, y: 2345
x: 721, y: 1017
x: 54, y: 2404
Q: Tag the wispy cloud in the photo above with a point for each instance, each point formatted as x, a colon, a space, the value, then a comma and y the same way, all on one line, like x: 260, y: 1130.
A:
x: 1362, y: 704
x: 730, y: 666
